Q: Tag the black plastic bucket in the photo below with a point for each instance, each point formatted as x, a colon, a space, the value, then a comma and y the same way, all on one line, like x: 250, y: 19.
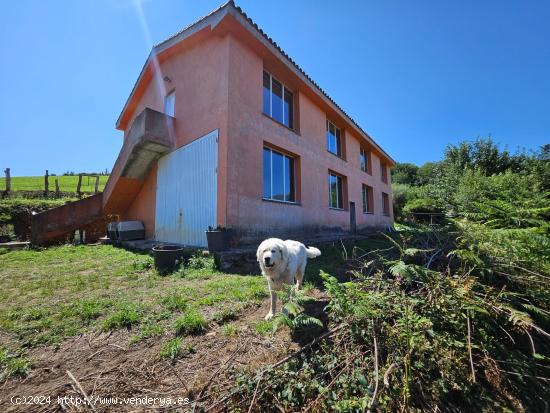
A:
x: 167, y: 257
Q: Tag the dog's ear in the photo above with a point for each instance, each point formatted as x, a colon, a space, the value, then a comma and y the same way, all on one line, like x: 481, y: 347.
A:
x: 259, y: 253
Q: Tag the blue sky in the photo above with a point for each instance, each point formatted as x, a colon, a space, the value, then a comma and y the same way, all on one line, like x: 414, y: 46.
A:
x: 415, y: 75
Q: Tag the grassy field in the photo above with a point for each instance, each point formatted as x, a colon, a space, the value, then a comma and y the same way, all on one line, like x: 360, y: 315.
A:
x: 57, y: 293
x: 50, y: 295
x: 66, y: 183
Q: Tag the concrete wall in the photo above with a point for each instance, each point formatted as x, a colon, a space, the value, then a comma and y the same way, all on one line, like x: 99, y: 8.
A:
x: 250, y: 129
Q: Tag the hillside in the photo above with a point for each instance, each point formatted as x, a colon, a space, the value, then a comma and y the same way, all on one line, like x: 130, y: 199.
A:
x: 67, y: 183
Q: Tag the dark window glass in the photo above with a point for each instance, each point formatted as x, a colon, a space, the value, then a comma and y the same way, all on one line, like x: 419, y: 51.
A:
x: 363, y: 160
x: 384, y: 172
x: 278, y: 177
x: 385, y: 203
x: 288, y: 109
x: 267, y: 95
x: 289, y: 179
x: 333, y: 139
x: 276, y: 100
x: 336, y: 199
x: 367, y: 199
x: 267, y: 173
x: 340, y: 193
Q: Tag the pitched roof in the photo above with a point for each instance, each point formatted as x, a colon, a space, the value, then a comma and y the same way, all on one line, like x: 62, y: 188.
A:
x: 212, y: 19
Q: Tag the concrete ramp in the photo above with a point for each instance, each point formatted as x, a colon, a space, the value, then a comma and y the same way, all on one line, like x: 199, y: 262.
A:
x: 149, y: 137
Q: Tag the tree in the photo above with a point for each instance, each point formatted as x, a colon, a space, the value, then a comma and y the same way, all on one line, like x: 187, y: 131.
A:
x: 404, y: 173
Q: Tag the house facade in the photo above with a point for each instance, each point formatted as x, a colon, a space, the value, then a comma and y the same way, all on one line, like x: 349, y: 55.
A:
x: 222, y: 128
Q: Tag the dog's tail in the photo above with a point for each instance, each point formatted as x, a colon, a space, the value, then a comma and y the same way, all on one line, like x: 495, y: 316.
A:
x: 312, y: 252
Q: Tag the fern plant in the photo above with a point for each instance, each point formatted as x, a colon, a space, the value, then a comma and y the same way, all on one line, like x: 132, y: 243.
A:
x: 292, y: 314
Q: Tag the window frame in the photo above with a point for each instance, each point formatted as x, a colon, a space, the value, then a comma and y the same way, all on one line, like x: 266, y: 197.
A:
x: 368, y: 206
x: 385, y: 203
x: 293, y: 178
x: 363, y: 151
x: 284, y: 89
x: 338, y: 135
x: 341, y: 179
x: 383, y: 172
x: 170, y: 95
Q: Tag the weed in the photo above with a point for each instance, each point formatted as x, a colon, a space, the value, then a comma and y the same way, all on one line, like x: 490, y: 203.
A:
x: 192, y: 322
x: 230, y: 329
x: 264, y: 328
x: 175, y: 302
x: 226, y: 314
x: 12, y: 365
x: 125, y: 316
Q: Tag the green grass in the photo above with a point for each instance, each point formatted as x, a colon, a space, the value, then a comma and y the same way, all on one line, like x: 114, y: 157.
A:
x: 263, y: 327
x: 52, y: 294
x: 66, y: 183
x: 192, y: 322
x: 172, y: 349
x: 230, y: 329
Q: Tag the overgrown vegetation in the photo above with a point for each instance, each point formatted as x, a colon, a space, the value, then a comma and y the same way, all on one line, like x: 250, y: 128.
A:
x: 454, y: 316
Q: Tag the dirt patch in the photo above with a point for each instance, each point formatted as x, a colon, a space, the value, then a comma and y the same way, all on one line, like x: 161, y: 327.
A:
x: 106, y: 366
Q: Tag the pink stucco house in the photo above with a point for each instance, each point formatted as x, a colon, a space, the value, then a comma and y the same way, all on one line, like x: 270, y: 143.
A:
x: 222, y: 128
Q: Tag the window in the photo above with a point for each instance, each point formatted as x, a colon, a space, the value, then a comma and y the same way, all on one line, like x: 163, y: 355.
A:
x: 334, y: 141
x: 367, y: 200
x: 364, y: 160
x: 279, y: 181
x: 169, y: 101
x: 385, y: 204
x: 384, y: 172
x: 335, y: 189
x: 278, y: 101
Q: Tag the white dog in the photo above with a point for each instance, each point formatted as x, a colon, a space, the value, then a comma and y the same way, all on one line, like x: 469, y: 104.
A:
x: 283, y: 262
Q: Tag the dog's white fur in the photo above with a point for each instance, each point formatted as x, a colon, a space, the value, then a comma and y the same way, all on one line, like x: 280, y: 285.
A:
x: 283, y: 262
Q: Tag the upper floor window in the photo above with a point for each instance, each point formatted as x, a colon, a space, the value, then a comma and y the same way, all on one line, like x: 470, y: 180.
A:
x: 364, y: 160
x: 169, y: 102
x: 279, y: 176
x: 278, y: 101
x: 336, y: 191
x: 334, y: 139
x: 385, y: 204
x: 384, y: 172
x: 367, y: 200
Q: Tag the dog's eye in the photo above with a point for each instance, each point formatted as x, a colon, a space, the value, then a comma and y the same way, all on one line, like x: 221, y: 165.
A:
x: 273, y: 251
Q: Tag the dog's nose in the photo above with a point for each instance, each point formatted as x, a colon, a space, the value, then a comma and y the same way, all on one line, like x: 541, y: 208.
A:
x: 266, y: 260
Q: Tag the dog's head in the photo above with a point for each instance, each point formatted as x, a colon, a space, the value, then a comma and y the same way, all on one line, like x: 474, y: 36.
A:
x: 272, y: 253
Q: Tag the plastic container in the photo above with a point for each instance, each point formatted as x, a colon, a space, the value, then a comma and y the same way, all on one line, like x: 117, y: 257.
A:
x: 167, y: 257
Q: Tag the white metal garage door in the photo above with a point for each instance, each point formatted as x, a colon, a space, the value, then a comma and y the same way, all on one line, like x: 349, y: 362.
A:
x: 186, y: 192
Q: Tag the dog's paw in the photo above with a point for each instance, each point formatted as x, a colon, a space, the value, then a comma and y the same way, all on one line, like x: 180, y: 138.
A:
x: 269, y: 316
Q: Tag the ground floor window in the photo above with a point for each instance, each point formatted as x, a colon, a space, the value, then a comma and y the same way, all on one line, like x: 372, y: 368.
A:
x: 279, y: 176
x: 336, y: 191
x: 367, y: 200
x: 385, y: 204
